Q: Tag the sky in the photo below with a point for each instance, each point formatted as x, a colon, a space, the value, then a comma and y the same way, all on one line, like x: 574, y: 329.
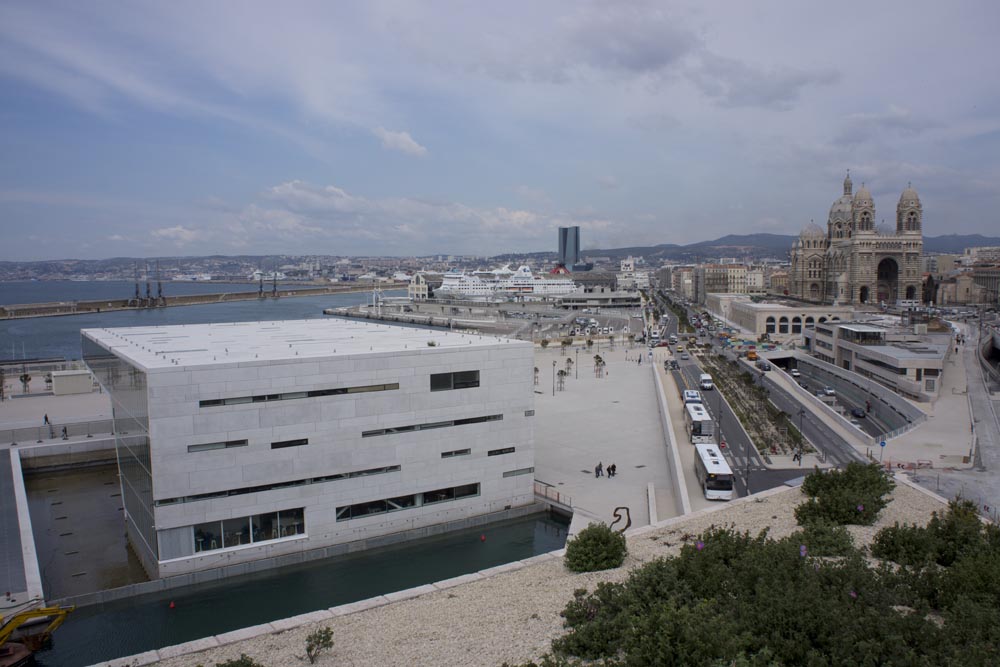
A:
x: 413, y: 128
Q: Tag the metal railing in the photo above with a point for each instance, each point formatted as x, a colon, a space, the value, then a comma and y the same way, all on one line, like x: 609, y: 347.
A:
x: 895, y: 433
x: 550, y: 493
x: 33, y: 434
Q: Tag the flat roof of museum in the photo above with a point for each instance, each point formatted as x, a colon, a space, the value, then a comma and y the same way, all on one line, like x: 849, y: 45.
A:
x: 227, y: 344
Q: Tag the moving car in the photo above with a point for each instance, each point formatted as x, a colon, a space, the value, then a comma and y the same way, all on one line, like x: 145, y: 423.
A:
x: 858, y: 413
x: 795, y: 373
x: 685, y: 356
x: 829, y: 391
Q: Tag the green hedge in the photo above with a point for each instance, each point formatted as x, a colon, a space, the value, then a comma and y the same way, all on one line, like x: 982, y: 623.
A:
x: 596, y: 547
x: 854, y: 495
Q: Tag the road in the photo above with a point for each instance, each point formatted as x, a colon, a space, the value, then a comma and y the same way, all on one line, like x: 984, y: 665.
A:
x: 873, y: 424
x: 834, y: 448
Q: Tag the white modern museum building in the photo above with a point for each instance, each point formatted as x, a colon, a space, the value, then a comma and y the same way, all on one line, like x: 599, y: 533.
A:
x: 250, y: 441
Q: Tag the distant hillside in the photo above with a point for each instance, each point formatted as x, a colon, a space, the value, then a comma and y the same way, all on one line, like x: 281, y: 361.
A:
x: 770, y: 245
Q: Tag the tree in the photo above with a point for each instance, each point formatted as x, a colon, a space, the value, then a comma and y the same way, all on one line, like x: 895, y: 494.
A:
x: 544, y: 343
x: 561, y: 375
x: 569, y: 365
x: 929, y: 289
x: 566, y: 342
x: 536, y: 376
x: 317, y: 642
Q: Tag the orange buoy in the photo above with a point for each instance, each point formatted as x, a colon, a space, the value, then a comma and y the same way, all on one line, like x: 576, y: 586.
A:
x: 172, y: 605
x: 482, y: 538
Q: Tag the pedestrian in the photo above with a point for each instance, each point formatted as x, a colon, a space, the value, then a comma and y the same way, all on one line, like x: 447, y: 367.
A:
x: 65, y: 435
x: 45, y: 420
x: 612, y: 470
x: 598, y: 469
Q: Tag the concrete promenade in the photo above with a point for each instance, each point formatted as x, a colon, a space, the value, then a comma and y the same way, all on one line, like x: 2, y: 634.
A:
x: 981, y: 483
x: 612, y: 419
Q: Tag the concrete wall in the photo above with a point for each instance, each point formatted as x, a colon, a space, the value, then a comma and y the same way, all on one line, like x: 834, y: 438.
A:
x: 99, y: 451
x: 333, y: 426
x: 72, y: 382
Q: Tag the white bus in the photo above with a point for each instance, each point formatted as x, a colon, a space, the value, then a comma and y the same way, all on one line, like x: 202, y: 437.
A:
x: 700, y: 426
x: 692, y: 396
x: 714, y: 474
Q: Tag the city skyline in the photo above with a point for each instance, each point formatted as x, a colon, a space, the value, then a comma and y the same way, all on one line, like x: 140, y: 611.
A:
x: 399, y: 129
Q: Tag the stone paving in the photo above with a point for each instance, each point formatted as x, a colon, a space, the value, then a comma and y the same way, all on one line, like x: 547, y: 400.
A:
x: 613, y: 419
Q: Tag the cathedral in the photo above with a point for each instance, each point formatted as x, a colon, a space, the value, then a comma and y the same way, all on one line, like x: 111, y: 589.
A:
x: 855, y: 261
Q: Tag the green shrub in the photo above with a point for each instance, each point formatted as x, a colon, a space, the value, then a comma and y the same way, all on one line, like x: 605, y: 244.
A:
x: 317, y: 642
x: 596, y: 547
x: 243, y: 661
x: 733, y: 599
x: 822, y: 538
x: 943, y: 541
x: 854, y: 495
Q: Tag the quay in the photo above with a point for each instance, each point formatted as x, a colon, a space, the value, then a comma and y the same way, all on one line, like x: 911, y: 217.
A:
x: 55, y: 308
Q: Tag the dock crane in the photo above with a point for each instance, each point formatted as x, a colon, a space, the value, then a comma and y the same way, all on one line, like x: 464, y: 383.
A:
x: 15, y: 653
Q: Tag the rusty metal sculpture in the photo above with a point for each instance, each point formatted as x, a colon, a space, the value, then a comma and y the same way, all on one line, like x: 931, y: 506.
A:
x: 619, y: 517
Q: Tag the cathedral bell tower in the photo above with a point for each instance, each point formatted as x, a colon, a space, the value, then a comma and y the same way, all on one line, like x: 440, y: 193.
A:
x: 909, y: 212
x: 862, y: 210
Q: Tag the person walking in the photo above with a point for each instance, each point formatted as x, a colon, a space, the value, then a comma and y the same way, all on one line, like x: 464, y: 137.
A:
x: 598, y: 470
x: 65, y: 435
x: 45, y: 420
x: 612, y: 470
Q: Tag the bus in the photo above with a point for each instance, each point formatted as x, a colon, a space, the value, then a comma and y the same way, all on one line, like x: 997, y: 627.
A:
x: 700, y: 427
x: 714, y: 474
x: 692, y: 396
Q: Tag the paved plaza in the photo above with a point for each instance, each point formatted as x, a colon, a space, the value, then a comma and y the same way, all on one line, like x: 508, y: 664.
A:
x: 612, y: 419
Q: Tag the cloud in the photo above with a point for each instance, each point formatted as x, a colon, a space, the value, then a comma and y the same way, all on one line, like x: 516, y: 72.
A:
x: 608, y: 182
x: 734, y: 83
x: 399, y: 141
x: 896, y: 121
x: 116, y: 238
x: 178, y: 235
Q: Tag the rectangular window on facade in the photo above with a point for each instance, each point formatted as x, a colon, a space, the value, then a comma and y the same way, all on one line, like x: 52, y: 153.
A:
x: 298, y: 442
x: 455, y: 452
x: 519, y: 471
x: 529, y: 413
x: 498, y: 452
x: 466, y: 491
x: 293, y: 395
x: 208, y: 446
x: 438, y: 496
x: 208, y: 536
x: 457, y: 380
x: 236, y: 532
x: 348, y: 512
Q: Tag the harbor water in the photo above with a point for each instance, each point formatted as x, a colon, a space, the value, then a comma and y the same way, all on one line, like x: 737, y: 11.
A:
x: 47, y: 337
x: 126, y: 627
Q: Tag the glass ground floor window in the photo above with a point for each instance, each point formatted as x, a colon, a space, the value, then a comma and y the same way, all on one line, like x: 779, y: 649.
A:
x: 228, y: 533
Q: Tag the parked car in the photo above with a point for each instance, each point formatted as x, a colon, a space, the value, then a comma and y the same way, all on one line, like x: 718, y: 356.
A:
x: 685, y: 356
x: 859, y: 413
x: 763, y: 365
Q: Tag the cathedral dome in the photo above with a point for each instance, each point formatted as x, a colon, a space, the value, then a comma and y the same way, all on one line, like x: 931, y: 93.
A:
x: 863, y: 194
x: 812, y: 230
x: 909, y: 197
x: 841, y: 209
x: 885, y: 229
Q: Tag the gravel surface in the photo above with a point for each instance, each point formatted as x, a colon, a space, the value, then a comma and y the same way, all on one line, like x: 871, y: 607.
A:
x: 514, y: 616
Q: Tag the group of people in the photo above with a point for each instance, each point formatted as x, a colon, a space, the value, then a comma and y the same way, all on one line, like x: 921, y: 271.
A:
x: 599, y: 470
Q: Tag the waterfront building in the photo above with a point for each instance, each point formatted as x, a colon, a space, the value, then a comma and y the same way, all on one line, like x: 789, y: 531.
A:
x: 908, y: 360
x: 855, y: 261
x: 256, y: 442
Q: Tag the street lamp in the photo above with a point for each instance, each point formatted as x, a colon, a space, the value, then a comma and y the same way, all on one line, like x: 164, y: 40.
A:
x: 553, y: 377
x: 576, y: 367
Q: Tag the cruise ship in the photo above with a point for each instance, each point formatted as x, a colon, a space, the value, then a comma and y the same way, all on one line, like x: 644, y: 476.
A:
x: 501, y: 284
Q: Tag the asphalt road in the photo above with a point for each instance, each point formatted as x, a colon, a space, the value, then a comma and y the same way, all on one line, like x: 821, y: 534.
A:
x: 872, y: 424
x: 822, y: 437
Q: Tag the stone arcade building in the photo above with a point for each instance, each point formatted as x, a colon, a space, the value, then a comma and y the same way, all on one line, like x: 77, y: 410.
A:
x: 855, y: 261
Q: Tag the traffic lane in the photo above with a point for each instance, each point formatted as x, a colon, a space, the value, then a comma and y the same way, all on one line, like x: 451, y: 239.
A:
x: 816, y: 431
x: 881, y: 413
x: 870, y: 423
x: 739, y: 447
x: 739, y: 467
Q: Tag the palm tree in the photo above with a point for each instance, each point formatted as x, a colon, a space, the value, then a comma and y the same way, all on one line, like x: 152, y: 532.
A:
x: 562, y: 379
x: 598, y: 366
x: 544, y: 343
x: 566, y: 342
x: 536, y: 376
x: 569, y: 365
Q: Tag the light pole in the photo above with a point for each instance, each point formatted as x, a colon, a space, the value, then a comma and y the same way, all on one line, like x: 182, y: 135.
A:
x: 553, y: 377
x: 576, y: 367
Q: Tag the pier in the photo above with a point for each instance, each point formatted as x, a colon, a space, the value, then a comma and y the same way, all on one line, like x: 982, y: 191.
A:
x: 20, y: 311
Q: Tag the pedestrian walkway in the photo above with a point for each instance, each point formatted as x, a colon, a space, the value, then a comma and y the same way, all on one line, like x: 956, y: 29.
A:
x: 609, y: 419
x: 30, y: 411
x: 12, y: 577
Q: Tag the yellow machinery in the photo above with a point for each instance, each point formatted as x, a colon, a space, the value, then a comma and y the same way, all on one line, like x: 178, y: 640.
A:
x: 32, y: 640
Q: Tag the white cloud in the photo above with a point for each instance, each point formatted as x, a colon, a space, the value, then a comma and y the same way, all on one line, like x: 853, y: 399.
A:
x: 178, y: 235
x: 399, y: 141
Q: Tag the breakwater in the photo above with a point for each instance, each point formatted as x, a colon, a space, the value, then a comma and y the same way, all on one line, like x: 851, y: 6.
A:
x: 92, y: 306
